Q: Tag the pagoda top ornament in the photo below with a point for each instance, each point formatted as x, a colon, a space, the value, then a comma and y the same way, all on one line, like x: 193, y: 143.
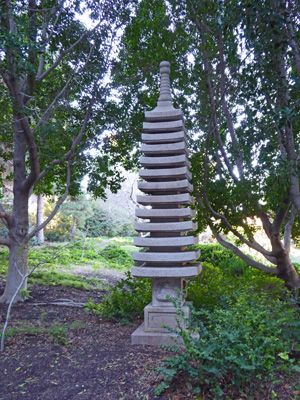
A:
x: 164, y: 103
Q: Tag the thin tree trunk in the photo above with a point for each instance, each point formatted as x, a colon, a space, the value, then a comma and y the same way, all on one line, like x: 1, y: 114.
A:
x: 73, y: 226
x: 40, y: 218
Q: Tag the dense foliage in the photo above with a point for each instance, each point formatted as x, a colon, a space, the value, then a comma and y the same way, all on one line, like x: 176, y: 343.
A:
x: 236, y: 74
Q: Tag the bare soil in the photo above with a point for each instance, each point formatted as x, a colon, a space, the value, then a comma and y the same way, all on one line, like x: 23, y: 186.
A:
x: 95, y: 360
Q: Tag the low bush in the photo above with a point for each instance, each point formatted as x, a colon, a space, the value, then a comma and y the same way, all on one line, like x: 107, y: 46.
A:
x: 125, y: 301
x: 116, y: 257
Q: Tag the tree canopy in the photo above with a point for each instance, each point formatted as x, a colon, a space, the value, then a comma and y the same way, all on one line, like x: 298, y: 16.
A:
x: 236, y: 74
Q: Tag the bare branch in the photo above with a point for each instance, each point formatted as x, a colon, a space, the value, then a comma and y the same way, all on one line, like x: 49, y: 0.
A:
x: 244, y: 257
x: 24, y: 277
x: 254, y: 245
x: 56, y: 208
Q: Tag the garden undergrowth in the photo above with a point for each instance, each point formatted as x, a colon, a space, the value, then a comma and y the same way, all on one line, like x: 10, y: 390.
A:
x: 244, y: 324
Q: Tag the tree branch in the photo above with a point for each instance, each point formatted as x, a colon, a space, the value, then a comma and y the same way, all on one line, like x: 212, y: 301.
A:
x: 33, y: 155
x: 65, y: 52
x: 57, y: 206
x: 293, y: 43
x: 288, y: 229
x: 211, y: 96
x: 278, y: 220
x: 45, y: 40
x: 244, y: 257
x: 237, y: 153
x: 68, y: 156
x: 5, y: 217
x: 5, y: 241
x: 47, y: 114
x: 254, y: 245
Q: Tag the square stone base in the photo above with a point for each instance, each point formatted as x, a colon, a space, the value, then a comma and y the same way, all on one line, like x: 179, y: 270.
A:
x: 156, y: 317
x: 153, y: 333
x: 139, y: 337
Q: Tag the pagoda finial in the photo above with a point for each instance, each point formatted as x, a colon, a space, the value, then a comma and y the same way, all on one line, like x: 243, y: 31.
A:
x: 165, y: 91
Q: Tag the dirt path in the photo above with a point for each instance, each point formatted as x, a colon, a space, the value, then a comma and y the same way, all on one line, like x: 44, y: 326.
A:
x: 109, y: 275
x: 94, y: 359
x: 65, y: 353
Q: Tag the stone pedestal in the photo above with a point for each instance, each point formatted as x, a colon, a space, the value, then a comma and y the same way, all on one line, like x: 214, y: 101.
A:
x: 167, y: 188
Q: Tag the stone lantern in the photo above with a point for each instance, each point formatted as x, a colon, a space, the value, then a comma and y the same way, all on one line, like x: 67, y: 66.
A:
x: 167, y: 217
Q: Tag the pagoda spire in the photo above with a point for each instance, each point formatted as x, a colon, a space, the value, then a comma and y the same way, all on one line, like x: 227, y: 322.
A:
x: 165, y: 89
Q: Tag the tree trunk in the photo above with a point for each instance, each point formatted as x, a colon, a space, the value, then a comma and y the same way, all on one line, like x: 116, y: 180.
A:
x: 73, y: 226
x: 40, y: 218
x: 287, y: 271
x: 18, y: 249
x: 18, y: 262
x: 19, y: 223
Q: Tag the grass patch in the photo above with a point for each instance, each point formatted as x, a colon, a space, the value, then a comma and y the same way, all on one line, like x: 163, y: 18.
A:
x: 58, y: 333
x: 55, y: 278
x: 113, y: 256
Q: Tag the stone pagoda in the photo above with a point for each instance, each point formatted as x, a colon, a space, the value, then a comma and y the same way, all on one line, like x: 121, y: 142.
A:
x: 166, y: 215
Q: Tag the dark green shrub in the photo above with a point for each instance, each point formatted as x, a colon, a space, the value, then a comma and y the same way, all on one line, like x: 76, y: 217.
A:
x: 216, y: 285
x: 100, y: 224
x: 115, y: 255
x: 125, y: 301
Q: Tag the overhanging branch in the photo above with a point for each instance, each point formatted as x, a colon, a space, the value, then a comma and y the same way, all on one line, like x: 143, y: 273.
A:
x: 69, y: 155
x: 244, y: 257
x: 252, y: 244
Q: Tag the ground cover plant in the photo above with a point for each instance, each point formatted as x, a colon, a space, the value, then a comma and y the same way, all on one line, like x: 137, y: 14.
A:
x: 112, y: 255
